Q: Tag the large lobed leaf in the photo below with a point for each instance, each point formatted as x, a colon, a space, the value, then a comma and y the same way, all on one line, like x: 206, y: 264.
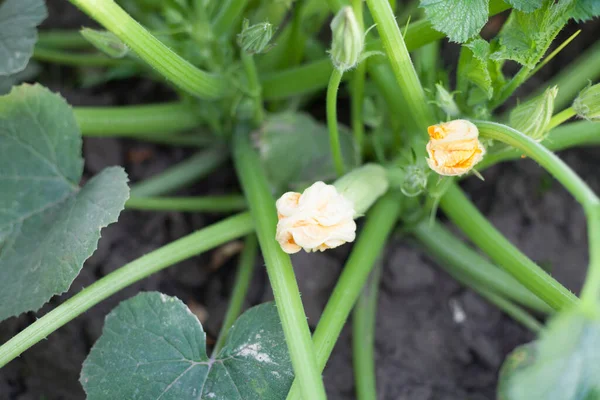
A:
x: 586, y: 9
x: 48, y: 225
x: 18, y: 34
x: 460, y: 20
x: 563, y: 364
x: 153, y: 347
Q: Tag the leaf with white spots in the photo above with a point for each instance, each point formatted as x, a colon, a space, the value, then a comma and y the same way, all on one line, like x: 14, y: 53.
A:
x: 18, y: 34
x: 153, y: 347
x: 48, y: 224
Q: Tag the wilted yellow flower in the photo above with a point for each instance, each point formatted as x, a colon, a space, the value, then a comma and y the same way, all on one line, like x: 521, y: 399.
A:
x: 318, y: 219
x: 454, y: 147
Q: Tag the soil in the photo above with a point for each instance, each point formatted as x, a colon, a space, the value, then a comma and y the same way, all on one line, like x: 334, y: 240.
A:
x: 435, y: 340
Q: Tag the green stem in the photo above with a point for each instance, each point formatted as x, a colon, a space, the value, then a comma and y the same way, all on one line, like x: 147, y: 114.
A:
x: 379, y: 224
x: 480, y: 231
x: 279, y: 267
x: 183, y: 74
x: 581, y: 133
x: 77, y: 59
x: 459, y: 260
x: 363, y: 338
x: 196, y: 204
x: 561, y: 117
x: 512, y: 310
x: 253, y: 86
x: 182, y: 174
x: 179, y: 250
x: 227, y: 16
x: 572, y: 182
x: 332, y: 124
x: 358, y: 88
x: 240, y: 289
x: 136, y: 120
x: 62, y: 39
x: 399, y: 58
x: 517, y: 80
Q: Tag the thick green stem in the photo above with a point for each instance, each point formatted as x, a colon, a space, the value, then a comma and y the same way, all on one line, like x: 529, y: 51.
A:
x: 399, y: 58
x: 590, y: 293
x: 561, y: 117
x: 182, y: 174
x: 279, y: 267
x: 332, y: 123
x: 358, y: 88
x: 136, y: 120
x: 480, y: 231
x: 460, y: 260
x: 62, y: 39
x: 183, y: 74
x: 77, y: 59
x: 196, y: 204
x: 581, y: 133
x: 253, y: 86
x: 181, y: 249
x: 240, y: 289
x: 363, y: 338
x: 379, y: 224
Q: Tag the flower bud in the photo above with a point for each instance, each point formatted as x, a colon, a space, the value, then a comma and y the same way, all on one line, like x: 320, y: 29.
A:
x: 255, y: 39
x: 454, y: 147
x: 106, y: 42
x: 347, y: 40
x: 587, y: 104
x: 445, y: 101
x: 414, y: 182
x: 533, y: 117
x: 363, y: 186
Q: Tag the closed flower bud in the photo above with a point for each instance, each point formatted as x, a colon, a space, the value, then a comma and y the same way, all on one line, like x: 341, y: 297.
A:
x: 445, y: 101
x: 414, y: 182
x: 255, y: 39
x: 318, y: 219
x: 533, y: 117
x: 454, y: 147
x: 587, y: 104
x: 363, y: 186
x: 347, y: 40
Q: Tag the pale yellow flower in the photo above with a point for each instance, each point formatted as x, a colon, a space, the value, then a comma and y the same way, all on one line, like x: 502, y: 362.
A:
x: 318, y: 219
x: 454, y: 147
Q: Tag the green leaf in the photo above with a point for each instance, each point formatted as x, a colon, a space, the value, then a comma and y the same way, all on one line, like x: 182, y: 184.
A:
x: 564, y: 364
x: 460, y: 20
x: 284, y: 137
x: 525, y: 37
x: 153, y: 347
x: 526, y: 5
x: 48, y: 225
x: 18, y: 34
x: 473, y: 67
x: 585, y: 10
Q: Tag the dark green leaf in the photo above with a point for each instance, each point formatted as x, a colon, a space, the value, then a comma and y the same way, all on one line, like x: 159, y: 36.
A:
x: 295, y: 151
x: 153, y: 347
x: 473, y: 67
x: 586, y: 9
x: 48, y: 225
x: 18, y: 34
x: 564, y: 364
x: 527, y: 36
x: 460, y: 20
x: 526, y: 5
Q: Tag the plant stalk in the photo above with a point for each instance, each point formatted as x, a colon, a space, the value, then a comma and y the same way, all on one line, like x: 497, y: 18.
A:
x: 332, y: 123
x: 190, y: 204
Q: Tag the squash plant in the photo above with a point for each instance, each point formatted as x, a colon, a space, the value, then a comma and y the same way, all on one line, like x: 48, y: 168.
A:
x: 244, y: 71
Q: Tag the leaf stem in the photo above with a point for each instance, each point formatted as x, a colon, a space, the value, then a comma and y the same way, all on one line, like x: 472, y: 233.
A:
x: 510, y: 87
x: 196, y: 204
x: 332, y: 123
x: 279, y: 267
x: 182, y: 174
x: 511, y: 309
x: 253, y: 86
x: 363, y: 338
x: 136, y: 120
x: 179, y: 250
x: 399, y: 58
x: 380, y: 221
x: 358, y: 88
x: 62, y: 39
x: 240, y: 289
x: 561, y: 117
x: 183, y: 74
x: 459, y: 260
x: 77, y: 59
x: 480, y: 231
